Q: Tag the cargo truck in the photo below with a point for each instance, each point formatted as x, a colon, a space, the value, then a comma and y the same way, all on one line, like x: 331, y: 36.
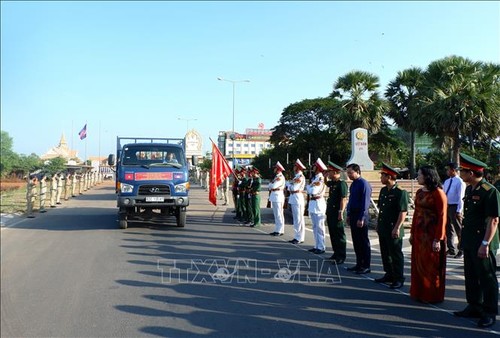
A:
x: 152, y: 180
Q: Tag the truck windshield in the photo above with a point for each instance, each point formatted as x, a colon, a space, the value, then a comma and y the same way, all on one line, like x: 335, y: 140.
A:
x: 153, y: 156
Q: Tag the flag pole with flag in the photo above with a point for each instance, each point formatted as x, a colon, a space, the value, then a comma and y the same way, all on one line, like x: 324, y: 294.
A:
x: 83, y: 135
x: 219, y: 172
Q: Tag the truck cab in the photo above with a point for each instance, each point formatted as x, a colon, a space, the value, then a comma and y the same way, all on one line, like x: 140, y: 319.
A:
x: 152, y: 180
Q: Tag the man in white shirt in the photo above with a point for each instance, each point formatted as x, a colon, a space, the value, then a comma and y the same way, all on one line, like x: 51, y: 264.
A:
x: 455, y: 192
x: 277, y: 198
x: 296, y: 200
x: 317, y: 206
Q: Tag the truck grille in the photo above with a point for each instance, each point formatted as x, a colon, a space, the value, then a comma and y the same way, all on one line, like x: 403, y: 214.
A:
x: 154, y: 189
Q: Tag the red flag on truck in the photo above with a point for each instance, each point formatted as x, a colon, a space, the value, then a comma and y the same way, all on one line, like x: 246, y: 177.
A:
x: 219, y: 172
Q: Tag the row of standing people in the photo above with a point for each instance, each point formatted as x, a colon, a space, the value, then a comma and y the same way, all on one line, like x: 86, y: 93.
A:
x: 42, y: 188
x: 432, y: 220
x: 246, y: 195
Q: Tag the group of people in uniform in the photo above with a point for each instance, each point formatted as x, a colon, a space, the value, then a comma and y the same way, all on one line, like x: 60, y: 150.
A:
x: 60, y: 186
x: 246, y: 195
x: 477, y: 211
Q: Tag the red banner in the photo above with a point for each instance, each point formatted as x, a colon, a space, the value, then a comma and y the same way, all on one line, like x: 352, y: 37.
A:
x: 219, y: 172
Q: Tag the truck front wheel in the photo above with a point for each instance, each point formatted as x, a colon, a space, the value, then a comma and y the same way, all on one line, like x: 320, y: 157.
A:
x: 180, y: 215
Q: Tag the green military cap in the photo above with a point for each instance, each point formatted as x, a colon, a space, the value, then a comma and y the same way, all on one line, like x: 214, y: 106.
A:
x: 334, y: 167
x: 470, y: 163
x: 387, y: 169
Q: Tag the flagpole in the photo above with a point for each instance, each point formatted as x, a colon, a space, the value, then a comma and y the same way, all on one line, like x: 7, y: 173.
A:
x: 86, y: 138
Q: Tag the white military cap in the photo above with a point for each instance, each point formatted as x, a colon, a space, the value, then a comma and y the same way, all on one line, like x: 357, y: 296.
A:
x: 319, y: 163
x: 279, y: 166
x: 300, y: 165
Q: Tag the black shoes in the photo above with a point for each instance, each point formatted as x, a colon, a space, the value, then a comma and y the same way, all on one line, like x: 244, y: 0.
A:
x: 487, y: 321
x: 294, y: 241
x: 339, y: 261
x: 318, y: 252
x: 312, y: 250
x: 450, y: 253
x: 362, y: 271
x: 468, y: 313
x: 353, y: 268
x: 396, y: 285
x: 385, y: 280
x: 276, y: 234
x: 460, y: 254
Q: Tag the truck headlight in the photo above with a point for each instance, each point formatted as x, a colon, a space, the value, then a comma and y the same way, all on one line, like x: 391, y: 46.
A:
x: 184, y: 187
x: 126, y: 187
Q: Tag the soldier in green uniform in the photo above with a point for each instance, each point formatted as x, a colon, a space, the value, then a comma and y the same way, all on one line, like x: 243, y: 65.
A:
x: 335, y: 210
x: 255, y: 193
x: 241, y: 196
x: 248, y: 215
x: 393, y: 207
x: 480, y: 242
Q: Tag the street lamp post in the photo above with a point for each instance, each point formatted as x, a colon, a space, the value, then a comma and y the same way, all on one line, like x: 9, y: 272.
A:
x: 233, y: 82
x: 187, y: 122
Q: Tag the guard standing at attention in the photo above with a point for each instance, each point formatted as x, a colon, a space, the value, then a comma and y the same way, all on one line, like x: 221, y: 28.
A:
x: 240, y: 214
x: 335, y: 210
x: 296, y: 200
x: 393, y: 207
x: 479, y: 243
x: 255, y: 196
x: 277, y: 198
x: 317, y: 206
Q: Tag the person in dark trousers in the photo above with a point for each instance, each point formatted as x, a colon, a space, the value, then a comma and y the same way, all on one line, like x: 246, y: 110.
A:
x: 255, y: 196
x: 479, y: 242
x: 335, y: 209
x: 454, y: 188
x: 358, y: 218
x: 393, y: 207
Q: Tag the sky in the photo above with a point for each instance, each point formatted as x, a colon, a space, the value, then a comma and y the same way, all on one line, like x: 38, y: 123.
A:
x: 150, y: 69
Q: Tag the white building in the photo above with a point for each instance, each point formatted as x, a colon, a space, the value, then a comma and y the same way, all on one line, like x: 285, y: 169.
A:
x: 244, y: 147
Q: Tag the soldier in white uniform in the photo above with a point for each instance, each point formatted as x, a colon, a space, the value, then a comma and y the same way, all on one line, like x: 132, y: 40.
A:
x: 277, y: 198
x: 317, y: 206
x: 296, y: 200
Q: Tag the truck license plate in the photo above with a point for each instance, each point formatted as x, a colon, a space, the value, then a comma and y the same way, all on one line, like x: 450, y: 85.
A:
x: 154, y: 199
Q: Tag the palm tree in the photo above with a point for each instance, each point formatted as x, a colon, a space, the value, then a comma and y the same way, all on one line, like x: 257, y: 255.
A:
x: 460, y: 99
x: 402, y: 96
x: 361, y: 105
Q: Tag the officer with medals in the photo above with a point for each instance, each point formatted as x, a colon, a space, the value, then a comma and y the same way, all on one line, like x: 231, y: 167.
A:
x: 393, y: 207
x: 479, y: 243
x: 317, y: 206
x: 335, y: 209
x: 277, y: 198
x: 296, y: 200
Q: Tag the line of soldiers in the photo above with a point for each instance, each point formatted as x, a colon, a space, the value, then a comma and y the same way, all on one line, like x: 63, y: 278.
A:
x: 61, y: 186
x: 246, y: 195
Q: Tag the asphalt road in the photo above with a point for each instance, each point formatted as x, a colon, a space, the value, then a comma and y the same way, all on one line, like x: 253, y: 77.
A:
x: 71, y: 272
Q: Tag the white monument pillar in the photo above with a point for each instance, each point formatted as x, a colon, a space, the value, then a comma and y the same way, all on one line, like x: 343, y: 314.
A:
x: 359, y: 149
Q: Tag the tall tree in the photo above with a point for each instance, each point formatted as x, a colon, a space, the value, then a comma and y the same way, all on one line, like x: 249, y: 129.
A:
x: 361, y: 105
x: 402, y: 96
x: 8, y: 158
x: 461, y: 99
